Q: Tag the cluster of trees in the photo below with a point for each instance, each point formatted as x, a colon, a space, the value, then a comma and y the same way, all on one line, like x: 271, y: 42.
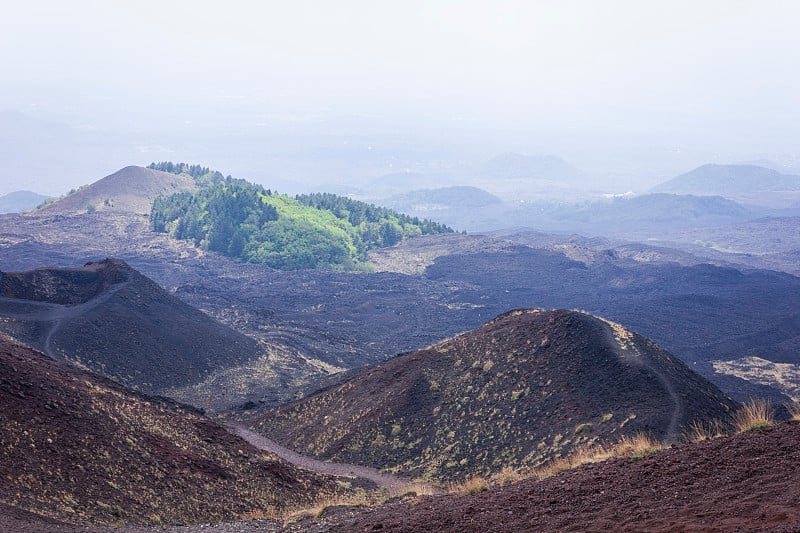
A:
x: 243, y: 220
x: 202, y: 175
x: 220, y: 217
x: 194, y: 171
x: 391, y: 225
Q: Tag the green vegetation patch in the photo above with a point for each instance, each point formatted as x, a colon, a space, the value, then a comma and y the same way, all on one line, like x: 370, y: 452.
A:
x: 245, y: 221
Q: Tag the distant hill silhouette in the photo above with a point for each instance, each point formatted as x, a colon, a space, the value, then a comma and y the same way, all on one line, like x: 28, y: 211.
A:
x: 131, y: 189
x: 78, y: 448
x: 521, y: 390
x: 547, y: 167
x: 17, y: 201
x: 401, y: 182
x: 477, y: 210
x: 648, y: 212
x: 430, y: 200
x: 111, y: 319
x: 729, y: 179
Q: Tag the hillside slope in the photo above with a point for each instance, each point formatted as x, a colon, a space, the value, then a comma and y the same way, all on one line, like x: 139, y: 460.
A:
x: 131, y: 189
x: 81, y: 449
x: 729, y: 179
x: 109, y: 318
x: 523, y: 389
x: 749, y: 482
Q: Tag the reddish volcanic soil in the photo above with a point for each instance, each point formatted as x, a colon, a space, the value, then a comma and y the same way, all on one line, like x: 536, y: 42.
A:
x: 749, y: 482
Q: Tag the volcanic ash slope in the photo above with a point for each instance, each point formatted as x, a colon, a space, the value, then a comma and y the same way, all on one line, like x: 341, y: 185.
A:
x: 79, y: 448
x: 109, y: 318
x: 521, y: 390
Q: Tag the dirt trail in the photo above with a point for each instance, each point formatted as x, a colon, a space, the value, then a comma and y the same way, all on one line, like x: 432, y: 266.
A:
x: 632, y: 356
x: 55, y: 314
x: 394, y: 484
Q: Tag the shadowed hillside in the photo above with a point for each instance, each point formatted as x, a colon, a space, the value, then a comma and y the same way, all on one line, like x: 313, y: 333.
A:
x: 109, y: 318
x: 521, y: 390
x: 79, y: 448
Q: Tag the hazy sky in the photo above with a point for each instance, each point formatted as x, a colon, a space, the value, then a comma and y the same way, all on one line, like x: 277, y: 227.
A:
x: 613, y: 86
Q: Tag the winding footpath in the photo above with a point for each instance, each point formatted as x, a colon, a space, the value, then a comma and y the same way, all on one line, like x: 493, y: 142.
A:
x: 632, y: 356
x: 395, y: 484
x: 54, y: 314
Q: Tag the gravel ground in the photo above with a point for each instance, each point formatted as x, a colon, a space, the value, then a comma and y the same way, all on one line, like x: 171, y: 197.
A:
x: 749, y: 482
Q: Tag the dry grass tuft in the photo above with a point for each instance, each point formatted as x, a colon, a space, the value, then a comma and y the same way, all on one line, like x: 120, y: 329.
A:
x: 794, y: 410
x: 581, y: 456
x: 472, y: 485
x: 315, y: 511
x: 754, y: 414
x: 634, y: 447
x: 360, y: 498
x: 700, y: 431
x: 637, y: 446
x: 507, y: 476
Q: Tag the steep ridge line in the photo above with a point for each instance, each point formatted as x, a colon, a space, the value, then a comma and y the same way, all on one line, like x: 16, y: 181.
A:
x: 624, y: 355
x: 394, y: 484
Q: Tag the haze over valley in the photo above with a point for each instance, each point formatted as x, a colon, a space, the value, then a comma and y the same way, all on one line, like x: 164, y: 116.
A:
x: 399, y: 267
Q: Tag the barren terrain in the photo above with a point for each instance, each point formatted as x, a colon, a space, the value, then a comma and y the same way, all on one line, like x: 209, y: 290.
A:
x: 746, y: 483
x: 520, y: 391
x: 319, y: 322
x: 107, y: 317
x: 749, y: 482
x: 81, y: 449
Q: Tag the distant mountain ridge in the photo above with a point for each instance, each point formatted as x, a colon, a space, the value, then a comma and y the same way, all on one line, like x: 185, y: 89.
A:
x: 478, y: 211
x: 17, y: 201
x: 521, y: 390
x: 459, y: 196
x: 647, y: 212
x: 729, y: 179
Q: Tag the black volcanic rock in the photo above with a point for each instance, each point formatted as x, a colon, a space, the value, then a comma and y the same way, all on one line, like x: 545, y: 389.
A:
x: 66, y: 286
x: 521, y: 390
x: 108, y: 317
x: 457, y: 282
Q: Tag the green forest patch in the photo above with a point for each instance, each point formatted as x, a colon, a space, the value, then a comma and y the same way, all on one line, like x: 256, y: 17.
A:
x: 245, y: 221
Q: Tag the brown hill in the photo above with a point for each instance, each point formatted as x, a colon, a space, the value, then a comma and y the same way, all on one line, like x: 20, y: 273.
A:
x: 131, y: 189
x: 521, y: 390
x: 107, y: 317
x: 749, y: 482
x: 79, y: 448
